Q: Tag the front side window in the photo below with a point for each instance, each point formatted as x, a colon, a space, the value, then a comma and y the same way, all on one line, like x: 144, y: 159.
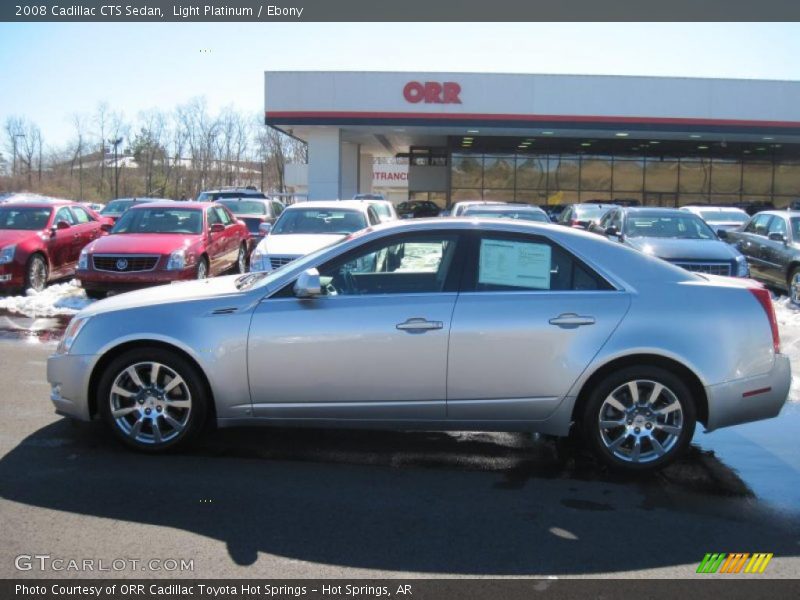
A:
x: 517, y: 263
x: 401, y: 265
x: 224, y: 218
x: 777, y: 225
x: 758, y: 225
x: 65, y: 214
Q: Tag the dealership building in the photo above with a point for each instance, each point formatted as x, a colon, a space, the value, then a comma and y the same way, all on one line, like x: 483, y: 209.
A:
x: 541, y: 139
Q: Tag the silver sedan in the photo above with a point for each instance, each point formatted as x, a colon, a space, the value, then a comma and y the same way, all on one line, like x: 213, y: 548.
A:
x: 457, y: 324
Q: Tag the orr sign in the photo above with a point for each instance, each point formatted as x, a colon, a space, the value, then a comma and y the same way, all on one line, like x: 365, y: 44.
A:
x: 432, y: 92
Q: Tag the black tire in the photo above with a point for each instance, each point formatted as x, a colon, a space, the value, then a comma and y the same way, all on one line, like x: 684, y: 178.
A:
x: 95, y: 294
x: 192, y: 390
x: 241, y: 260
x: 202, y: 268
x: 645, y: 423
x: 36, y: 273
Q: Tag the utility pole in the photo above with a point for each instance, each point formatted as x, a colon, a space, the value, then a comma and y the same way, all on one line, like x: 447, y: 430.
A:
x: 116, y: 143
x: 14, y: 163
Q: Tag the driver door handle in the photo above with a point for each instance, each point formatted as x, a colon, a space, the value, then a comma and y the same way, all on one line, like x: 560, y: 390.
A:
x: 419, y: 325
x: 571, y: 320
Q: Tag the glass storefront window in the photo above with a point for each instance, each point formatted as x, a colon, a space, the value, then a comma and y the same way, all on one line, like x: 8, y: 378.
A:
x: 564, y: 171
x: 661, y: 175
x: 532, y: 172
x: 531, y: 196
x: 595, y: 174
x: 467, y: 171
x: 457, y: 195
x: 695, y: 176
x: 726, y: 176
x: 628, y: 175
x: 756, y: 178
x: 498, y: 172
x: 595, y: 196
x: 498, y: 195
x: 787, y: 179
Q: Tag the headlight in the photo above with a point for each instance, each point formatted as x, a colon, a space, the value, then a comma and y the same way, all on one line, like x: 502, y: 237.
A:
x: 258, y: 260
x: 71, y: 334
x: 7, y: 254
x: 742, y: 268
x: 177, y: 261
x: 83, y: 260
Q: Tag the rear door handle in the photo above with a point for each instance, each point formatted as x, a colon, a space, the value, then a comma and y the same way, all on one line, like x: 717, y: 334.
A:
x: 571, y: 320
x: 419, y: 325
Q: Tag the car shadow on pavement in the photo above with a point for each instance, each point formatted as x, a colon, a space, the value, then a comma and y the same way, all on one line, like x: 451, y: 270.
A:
x: 426, y: 502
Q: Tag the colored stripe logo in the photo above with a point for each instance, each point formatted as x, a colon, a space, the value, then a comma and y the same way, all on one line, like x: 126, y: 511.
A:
x: 735, y: 562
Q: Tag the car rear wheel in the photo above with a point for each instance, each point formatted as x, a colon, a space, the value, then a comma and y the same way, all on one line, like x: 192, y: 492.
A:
x: 639, y: 418
x: 241, y: 260
x: 152, y: 399
x: 202, y: 269
x: 794, y: 285
x: 36, y: 273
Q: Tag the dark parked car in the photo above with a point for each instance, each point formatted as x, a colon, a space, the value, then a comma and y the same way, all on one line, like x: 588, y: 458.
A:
x: 553, y: 211
x: 769, y: 241
x: 581, y: 216
x: 115, y: 208
x: 755, y: 206
x: 522, y: 212
x: 415, y: 209
x: 40, y: 241
x: 258, y: 214
x: 674, y: 235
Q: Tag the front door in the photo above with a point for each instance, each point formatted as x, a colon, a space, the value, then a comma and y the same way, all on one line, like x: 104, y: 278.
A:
x: 373, y: 347
x: 529, y: 320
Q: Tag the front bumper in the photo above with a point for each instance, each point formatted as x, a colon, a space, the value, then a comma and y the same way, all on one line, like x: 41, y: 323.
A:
x: 750, y: 399
x: 12, y: 276
x: 68, y: 375
x: 106, y: 281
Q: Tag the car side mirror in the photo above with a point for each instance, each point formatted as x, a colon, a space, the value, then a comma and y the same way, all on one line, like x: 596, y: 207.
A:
x: 778, y: 237
x: 611, y: 230
x: 722, y: 234
x: 308, y: 284
x: 62, y: 225
x: 264, y: 228
x: 217, y: 228
x: 107, y: 227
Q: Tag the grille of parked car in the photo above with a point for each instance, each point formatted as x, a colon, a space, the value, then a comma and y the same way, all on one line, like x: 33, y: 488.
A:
x: 278, y: 261
x: 712, y: 268
x: 124, y: 263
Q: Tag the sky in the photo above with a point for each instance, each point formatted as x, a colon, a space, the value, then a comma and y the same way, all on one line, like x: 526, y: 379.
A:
x: 50, y: 72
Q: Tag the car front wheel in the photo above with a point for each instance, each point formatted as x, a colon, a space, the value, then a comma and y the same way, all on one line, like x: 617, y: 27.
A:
x: 36, y: 273
x: 241, y: 260
x: 152, y: 399
x: 794, y: 285
x: 639, y: 418
x: 202, y: 269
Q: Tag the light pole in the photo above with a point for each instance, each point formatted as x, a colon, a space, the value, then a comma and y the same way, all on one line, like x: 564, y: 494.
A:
x: 116, y: 143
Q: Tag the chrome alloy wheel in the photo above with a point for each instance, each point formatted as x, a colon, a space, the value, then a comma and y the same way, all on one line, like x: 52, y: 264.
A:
x: 241, y: 261
x: 794, y: 288
x: 37, y: 274
x: 640, y: 421
x: 150, y: 403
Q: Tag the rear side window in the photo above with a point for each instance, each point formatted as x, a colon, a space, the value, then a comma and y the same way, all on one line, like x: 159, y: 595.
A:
x: 524, y: 263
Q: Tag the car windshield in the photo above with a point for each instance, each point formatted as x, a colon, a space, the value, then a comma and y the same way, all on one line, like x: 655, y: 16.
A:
x: 525, y: 215
x: 211, y: 196
x: 688, y: 227
x: 245, y: 207
x: 591, y: 212
x: 319, y: 220
x: 724, y: 215
x: 30, y: 219
x: 116, y: 207
x: 160, y: 220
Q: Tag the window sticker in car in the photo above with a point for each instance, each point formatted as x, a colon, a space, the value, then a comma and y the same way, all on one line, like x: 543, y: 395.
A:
x: 515, y: 264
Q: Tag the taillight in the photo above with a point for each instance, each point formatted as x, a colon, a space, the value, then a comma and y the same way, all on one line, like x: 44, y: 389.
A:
x: 764, y: 298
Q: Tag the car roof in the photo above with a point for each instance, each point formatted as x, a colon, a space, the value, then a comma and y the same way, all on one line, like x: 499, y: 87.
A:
x: 506, y: 207
x: 653, y: 211
x: 714, y: 208
x: 777, y: 213
x: 175, y: 204
x: 359, y: 205
x: 136, y: 199
x: 44, y: 203
x: 595, y: 204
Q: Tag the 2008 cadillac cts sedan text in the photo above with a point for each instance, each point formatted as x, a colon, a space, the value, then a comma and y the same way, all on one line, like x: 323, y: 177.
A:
x: 437, y: 324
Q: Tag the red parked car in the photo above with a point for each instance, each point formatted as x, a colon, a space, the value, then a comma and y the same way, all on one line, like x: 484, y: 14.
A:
x: 160, y: 242
x: 40, y: 241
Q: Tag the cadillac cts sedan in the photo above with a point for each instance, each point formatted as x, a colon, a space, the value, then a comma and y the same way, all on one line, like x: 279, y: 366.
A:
x: 40, y: 241
x: 160, y: 242
x: 440, y: 324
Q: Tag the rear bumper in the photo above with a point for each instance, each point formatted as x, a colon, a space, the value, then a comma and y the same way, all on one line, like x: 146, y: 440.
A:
x: 68, y: 375
x: 750, y: 399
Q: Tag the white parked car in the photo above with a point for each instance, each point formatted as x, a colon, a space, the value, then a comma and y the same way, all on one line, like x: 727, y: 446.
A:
x: 308, y: 226
x: 719, y: 217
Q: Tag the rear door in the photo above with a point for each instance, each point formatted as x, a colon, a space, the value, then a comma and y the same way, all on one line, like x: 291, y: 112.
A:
x: 775, y: 253
x: 86, y: 225
x: 528, y: 321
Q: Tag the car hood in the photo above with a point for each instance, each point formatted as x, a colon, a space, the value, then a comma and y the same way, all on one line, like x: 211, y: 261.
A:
x: 142, y: 243
x: 674, y: 248
x: 15, y: 236
x: 183, y: 291
x: 296, y: 244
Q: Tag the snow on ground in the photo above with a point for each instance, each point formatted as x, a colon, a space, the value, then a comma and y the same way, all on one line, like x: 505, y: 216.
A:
x: 788, y: 316
x: 57, y: 299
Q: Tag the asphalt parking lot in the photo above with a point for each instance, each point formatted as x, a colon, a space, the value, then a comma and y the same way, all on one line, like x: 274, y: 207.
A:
x: 304, y: 503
